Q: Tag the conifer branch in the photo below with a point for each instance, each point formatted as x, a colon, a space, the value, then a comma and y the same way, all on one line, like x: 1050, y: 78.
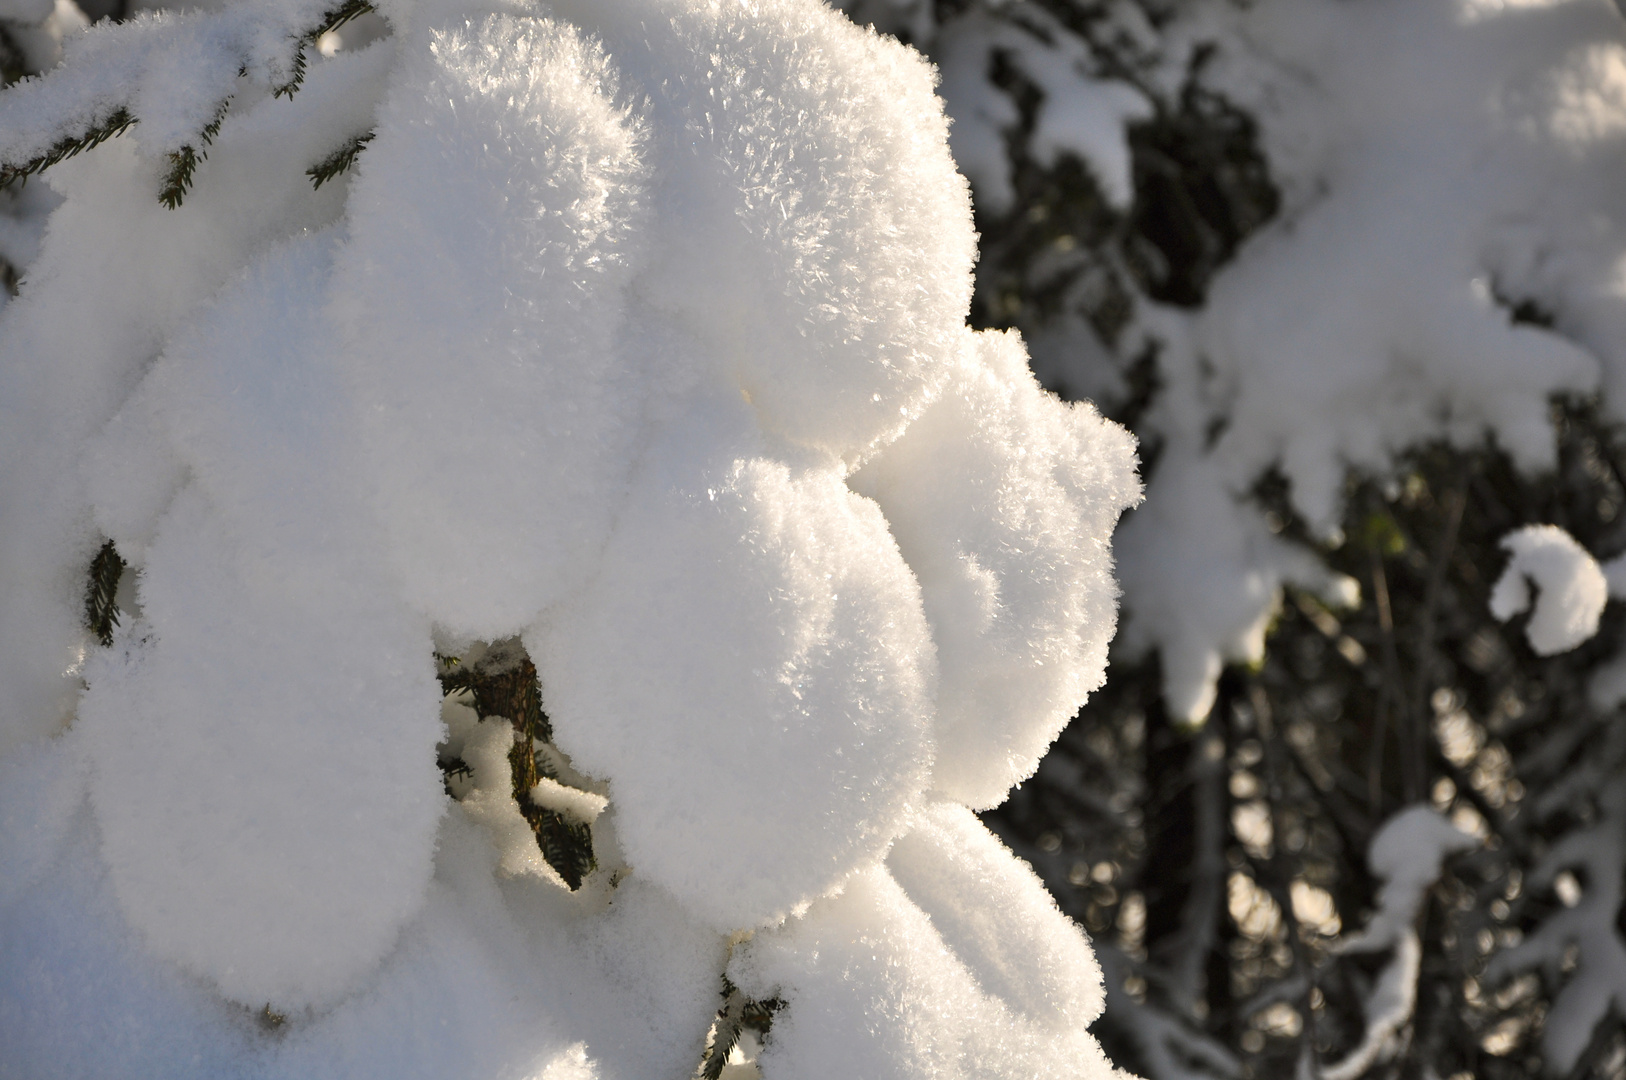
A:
x: 338, y: 162
x: 504, y: 684
x: 332, y: 20
x: 726, y: 1034
x: 117, y: 123
x: 738, y: 1014
x: 101, y: 593
x: 183, y: 162
x: 566, y: 845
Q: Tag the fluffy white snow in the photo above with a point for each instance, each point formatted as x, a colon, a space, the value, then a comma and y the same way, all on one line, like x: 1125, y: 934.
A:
x: 508, y: 350
x: 1001, y: 501
x: 950, y: 961
x: 274, y: 689
x: 751, y: 672
x: 637, y: 330
x: 1572, y: 589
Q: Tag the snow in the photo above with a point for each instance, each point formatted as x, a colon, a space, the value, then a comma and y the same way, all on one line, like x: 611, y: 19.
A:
x: 1407, y: 854
x: 1573, y: 588
x: 508, y: 350
x: 579, y: 806
x: 637, y: 331
x: 1077, y: 114
x: 1207, y: 595
x: 483, y: 746
x: 68, y: 365
x: 270, y: 657
x: 475, y: 987
x: 996, y: 916
x: 900, y: 975
x: 727, y: 562
x: 171, y: 70
x: 999, y: 497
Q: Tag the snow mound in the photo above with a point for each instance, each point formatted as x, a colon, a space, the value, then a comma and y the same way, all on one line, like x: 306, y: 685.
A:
x: 507, y: 351
x: 262, y: 737
x: 726, y: 562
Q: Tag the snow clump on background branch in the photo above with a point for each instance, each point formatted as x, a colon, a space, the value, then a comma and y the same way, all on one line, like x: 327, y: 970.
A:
x: 634, y: 331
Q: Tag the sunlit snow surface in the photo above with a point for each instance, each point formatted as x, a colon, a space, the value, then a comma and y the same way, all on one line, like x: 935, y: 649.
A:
x: 638, y: 332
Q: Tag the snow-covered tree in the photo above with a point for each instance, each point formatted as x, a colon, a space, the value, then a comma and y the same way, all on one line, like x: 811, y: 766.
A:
x: 514, y: 563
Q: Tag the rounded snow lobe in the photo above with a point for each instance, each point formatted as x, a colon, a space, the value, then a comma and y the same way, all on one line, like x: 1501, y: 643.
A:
x: 263, y: 769
x: 1573, y: 588
x: 262, y: 737
x: 950, y: 960
x: 751, y: 672
x: 1002, y: 499
x: 492, y: 230
x: 809, y: 226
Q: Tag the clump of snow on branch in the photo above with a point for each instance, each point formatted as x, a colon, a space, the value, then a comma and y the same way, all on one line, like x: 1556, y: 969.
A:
x: 1571, y: 588
x: 956, y: 944
x: 1079, y: 113
x: 636, y: 330
x: 1407, y: 854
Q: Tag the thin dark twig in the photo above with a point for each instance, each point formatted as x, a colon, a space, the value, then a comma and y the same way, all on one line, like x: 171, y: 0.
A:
x: 1416, y: 748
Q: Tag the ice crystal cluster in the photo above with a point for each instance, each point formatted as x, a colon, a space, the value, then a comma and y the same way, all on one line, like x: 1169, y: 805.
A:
x: 630, y: 333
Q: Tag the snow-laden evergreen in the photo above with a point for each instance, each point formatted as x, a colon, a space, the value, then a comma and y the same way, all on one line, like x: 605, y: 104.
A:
x: 627, y: 338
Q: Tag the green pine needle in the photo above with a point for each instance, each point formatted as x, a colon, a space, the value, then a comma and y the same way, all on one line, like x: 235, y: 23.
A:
x: 332, y: 20
x: 338, y: 162
x: 738, y: 1014
x: 117, y: 123
x: 504, y: 684
x: 566, y: 845
x: 101, y: 593
x: 183, y: 162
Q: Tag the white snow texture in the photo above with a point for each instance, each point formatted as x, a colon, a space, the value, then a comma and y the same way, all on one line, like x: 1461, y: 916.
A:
x: 1572, y: 588
x: 638, y: 332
